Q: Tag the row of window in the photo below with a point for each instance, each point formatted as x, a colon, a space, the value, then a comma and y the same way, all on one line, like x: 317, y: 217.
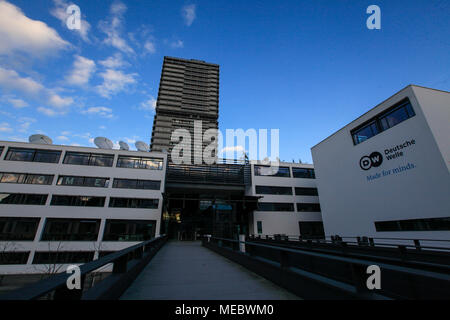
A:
x: 82, y: 158
x: 432, y: 224
x: 79, y: 181
x: 299, y: 191
x: 284, y: 172
x: 308, y: 229
x: 288, y: 207
x: 383, y: 122
x: 62, y: 229
x: 77, y: 201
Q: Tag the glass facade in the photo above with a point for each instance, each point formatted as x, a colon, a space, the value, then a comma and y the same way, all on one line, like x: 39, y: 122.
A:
x: 275, y: 206
x: 33, y: 155
x: 306, y: 191
x: 89, y: 159
x: 272, y: 171
x: 83, y: 181
x: 383, y: 121
x: 273, y: 190
x: 77, y: 201
x: 303, y: 173
x: 129, y: 230
x: 140, y: 163
x: 18, y: 229
x: 23, y: 198
x: 308, y: 207
x: 433, y: 224
x: 136, y: 184
x: 26, y: 178
x: 57, y: 229
x: 115, y: 202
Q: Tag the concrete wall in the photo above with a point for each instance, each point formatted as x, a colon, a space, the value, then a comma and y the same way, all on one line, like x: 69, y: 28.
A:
x: 352, y: 201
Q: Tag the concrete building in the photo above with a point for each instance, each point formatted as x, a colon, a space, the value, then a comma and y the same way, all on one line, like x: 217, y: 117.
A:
x: 386, y: 174
x: 65, y: 204
x: 188, y: 92
x: 289, y: 202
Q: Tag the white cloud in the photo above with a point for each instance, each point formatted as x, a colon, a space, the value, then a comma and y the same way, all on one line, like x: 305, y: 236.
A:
x: 148, y: 105
x: 59, y: 102
x: 177, y: 44
x: 20, y: 33
x: 5, y: 127
x: 59, y: 12
x: 11, y: 80
x: 99, y: 111
x: 114, y: 81
x: 18, y: 103
x: 113, y: 62
x: 188, y: 13
x: 232, y: 149
x: 62, y: 138
x: 82, y: 71
x: 102, y: 127
x: 113, y: 28
x: 25, y: 123
x: 49, y: 112
x: 149, y: 46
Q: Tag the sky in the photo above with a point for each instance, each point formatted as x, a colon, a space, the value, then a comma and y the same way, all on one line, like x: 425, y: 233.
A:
x: 307, y: 68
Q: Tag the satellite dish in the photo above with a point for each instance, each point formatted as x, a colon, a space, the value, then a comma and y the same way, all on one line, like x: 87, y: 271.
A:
x: 40, y: 139
x: 103, y: 143
x: 142, y: 146
x: 124, y: 146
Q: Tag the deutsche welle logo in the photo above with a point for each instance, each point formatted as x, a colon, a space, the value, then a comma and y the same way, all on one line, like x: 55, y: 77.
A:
x: 374, y: 160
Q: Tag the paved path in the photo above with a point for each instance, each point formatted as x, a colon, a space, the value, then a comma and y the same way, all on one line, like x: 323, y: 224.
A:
x: 186, y: 270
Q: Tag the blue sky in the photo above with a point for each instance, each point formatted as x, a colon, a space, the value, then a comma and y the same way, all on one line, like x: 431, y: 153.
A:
x: 304, y: 67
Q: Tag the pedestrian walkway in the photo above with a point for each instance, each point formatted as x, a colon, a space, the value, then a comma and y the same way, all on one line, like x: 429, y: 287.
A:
x: 188, y: 271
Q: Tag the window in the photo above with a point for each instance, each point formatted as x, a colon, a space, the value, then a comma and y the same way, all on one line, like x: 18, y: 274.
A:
x: 14, y: 257
x: 77, y: 201
x: 89, y: 159
x: 1, y: 150
x: 23, y: 198
x: 273, y: 190
x: 129, y: 230
x: 83, y: 181
x: 259, y: 226
x: 137, y: 184
x: 33, y: 155
x: 383, y: 121
x: 311, y: 229
x: 133, y: 203
x: 303, y: 173
x: 432, y: 224
x: 26, y: 178
x: 63, y: 257
x: 18, y: 229
x: 308, y: 207
x: 139, y: 163
x: 274, y: 206
x: 272, y: 171
x: 306, y: 191
x: 70, y: 229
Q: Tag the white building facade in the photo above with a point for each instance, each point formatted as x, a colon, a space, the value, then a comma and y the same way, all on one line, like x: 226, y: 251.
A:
x: 289, y: 203
x: 71, y: 204
x: 386, y: 174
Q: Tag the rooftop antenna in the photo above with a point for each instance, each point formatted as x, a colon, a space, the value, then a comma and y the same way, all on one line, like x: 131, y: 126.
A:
x: 124, y: 146
x: 142, y: 146
x: 39, y: 139
x: 103, y: 143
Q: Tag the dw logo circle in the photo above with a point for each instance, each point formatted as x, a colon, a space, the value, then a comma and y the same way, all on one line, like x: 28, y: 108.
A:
x: 374, y: 160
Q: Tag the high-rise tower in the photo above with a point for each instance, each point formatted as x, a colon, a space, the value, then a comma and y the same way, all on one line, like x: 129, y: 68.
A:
x: 188, y: 91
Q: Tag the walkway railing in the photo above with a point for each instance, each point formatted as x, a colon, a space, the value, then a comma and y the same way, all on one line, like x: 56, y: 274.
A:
x: 127, y: 264
x: 317, y: 275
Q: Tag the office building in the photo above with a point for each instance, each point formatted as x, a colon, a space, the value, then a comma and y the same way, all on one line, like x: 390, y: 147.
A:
x: 386, y: 174
x: 188, y: 92
x: 65, y: 204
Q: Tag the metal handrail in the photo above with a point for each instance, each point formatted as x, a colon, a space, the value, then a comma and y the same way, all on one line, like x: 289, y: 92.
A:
x: 58, y: 281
